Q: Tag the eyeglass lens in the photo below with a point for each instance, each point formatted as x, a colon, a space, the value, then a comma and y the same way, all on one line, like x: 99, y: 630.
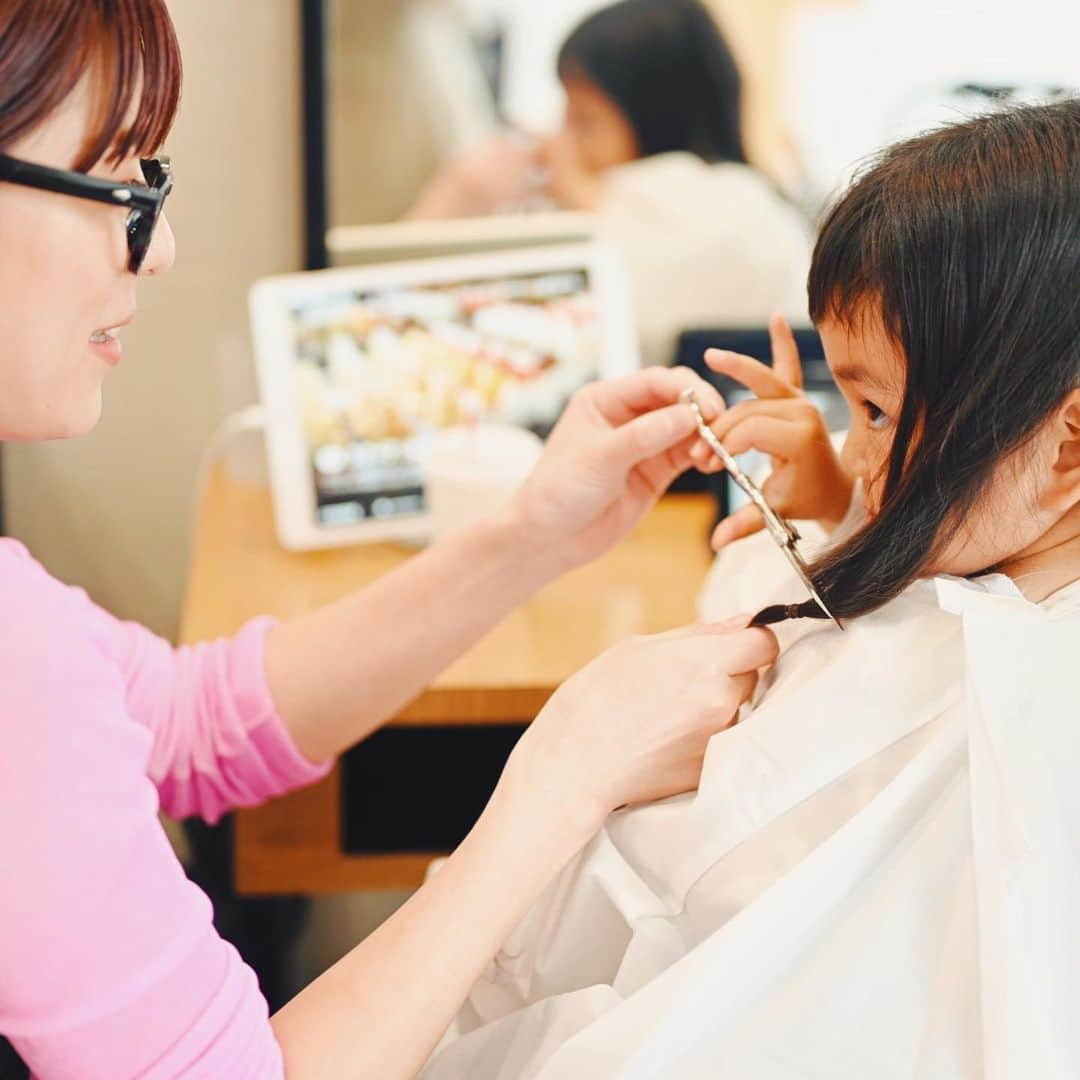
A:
x: 141, y: 223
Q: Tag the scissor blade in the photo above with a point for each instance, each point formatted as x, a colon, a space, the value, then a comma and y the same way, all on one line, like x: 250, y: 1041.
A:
x: 779, y: 527
x: 797, y: 564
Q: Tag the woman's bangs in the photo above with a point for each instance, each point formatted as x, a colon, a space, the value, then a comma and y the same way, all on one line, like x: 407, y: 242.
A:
x: 136, y: 70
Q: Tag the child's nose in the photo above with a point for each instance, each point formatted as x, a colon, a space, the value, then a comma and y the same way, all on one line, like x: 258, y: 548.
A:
x: 852, y: 457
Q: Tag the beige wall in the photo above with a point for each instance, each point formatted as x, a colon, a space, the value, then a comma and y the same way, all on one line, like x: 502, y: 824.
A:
x: 111, y: 512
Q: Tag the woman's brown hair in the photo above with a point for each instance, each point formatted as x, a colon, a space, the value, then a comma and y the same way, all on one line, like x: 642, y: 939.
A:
x: 127, y: 48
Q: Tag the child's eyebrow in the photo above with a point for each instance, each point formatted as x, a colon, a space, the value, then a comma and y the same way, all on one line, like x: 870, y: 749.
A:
x: 854, y: 373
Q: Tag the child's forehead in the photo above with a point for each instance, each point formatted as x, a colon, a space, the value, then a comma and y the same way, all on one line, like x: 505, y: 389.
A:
x: 861, y: 350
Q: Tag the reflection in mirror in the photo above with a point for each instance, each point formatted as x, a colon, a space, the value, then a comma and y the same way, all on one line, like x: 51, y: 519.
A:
x: 412, y: 82
x: 625, y: 115
x: 699, y: 138
x: 405, y: 90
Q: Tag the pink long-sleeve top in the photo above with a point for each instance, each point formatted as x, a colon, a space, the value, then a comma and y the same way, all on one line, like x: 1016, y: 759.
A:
x: 109, y: 962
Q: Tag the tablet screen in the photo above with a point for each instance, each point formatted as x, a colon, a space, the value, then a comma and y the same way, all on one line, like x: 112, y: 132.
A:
x: 379, y: 371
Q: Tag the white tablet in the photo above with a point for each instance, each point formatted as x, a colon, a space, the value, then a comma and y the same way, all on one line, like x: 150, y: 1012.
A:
x: 359, y: 368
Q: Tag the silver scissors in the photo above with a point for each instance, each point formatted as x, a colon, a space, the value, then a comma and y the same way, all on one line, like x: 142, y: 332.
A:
x: 780, y: 529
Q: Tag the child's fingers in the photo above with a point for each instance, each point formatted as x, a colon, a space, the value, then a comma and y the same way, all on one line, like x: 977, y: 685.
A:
x: 769, y: 435
x: 785, y: 352
x: 782, y: 408
x: 746, y: 521
x: 753, y: 374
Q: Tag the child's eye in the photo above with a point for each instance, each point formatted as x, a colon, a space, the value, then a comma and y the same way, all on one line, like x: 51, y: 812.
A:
x: 877, y: 418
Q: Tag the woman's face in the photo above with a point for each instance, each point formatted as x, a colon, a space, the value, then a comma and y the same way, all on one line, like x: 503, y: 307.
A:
x: 63, y: 280
x: 597, y: 127
x: 1026, y: 497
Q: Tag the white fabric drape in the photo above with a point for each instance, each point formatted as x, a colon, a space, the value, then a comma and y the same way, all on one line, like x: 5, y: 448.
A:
x: 879, y: 876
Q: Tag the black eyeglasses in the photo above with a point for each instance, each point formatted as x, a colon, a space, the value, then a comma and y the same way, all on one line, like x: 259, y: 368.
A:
x: 145, y: 202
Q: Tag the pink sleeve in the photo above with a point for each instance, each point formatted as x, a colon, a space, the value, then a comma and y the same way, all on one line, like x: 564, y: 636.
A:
x: 218, y: 740
x: 109, y: 963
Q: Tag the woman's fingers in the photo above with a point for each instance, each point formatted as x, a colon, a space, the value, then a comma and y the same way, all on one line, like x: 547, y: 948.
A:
x: 785, y: 352
x: 633, y: 725
x: 649, y: 436
x: 744, y: 686
x: 753, y: 374
x: 747, y: 651
x: 661, y: 471
x: 622, y: 399
x: 742, y: 649
x: 746, y: 521
x: 703, y: 457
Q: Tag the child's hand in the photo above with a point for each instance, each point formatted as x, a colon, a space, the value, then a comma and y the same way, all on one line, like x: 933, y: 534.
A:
x: 808, y: 481
x: 570, y: 183
x: 480, y: 180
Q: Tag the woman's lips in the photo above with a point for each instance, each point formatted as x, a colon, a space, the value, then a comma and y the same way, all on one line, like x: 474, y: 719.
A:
x: 108, y: 344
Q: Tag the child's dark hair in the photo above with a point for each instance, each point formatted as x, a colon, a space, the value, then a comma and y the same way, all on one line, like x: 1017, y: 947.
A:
x: 965, y: 242
x: 666, y: 65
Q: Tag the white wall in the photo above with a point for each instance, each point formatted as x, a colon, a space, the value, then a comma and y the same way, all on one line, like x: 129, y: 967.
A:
x: 861, y: 75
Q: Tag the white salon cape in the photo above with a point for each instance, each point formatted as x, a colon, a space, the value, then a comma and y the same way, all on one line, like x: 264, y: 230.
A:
x: 705, y: 247
x: 879, y: 877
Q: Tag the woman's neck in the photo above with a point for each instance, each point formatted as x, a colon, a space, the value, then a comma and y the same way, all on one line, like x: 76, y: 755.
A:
x: 1050, y: 563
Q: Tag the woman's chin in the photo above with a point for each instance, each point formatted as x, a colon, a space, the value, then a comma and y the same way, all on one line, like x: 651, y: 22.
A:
x: 86, y: 420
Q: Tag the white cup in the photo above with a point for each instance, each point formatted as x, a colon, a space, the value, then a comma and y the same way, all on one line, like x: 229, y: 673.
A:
x: 469, y: 472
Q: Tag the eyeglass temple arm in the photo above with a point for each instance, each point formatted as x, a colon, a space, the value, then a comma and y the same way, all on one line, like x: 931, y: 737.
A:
x: 62, y: 182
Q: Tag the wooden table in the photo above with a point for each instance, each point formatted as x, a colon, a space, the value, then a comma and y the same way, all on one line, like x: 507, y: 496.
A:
x: 647, y: 584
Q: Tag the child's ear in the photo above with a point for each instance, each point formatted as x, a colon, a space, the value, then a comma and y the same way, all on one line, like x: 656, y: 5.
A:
x: 1064, y: 489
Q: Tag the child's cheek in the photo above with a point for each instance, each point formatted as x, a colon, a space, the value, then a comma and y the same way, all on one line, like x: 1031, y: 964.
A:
x: 873, y: 491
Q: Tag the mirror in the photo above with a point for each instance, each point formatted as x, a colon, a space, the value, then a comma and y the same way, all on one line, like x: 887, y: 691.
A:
x: 393, y: 88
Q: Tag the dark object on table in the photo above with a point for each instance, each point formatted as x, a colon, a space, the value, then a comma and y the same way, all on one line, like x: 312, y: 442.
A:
x: 416, y: 789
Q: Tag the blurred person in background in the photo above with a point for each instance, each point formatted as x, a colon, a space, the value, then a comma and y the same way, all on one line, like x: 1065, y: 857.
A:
x: 651, y: 144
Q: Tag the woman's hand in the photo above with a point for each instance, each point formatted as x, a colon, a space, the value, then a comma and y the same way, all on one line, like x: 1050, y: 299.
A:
x: 808, y: 482
x: 616, y: 450
x: 633, y: 725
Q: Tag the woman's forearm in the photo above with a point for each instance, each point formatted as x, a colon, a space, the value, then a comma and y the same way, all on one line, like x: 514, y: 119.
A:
x: 336, y: 674
x: 382, y: 1009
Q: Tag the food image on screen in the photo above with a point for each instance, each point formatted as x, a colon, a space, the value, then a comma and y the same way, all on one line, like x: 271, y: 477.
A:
x: 379, y: 372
